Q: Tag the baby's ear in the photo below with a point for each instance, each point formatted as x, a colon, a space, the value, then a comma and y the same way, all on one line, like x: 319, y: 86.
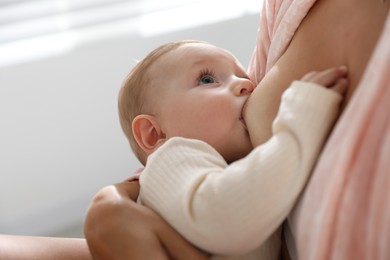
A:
x: 147, y: 132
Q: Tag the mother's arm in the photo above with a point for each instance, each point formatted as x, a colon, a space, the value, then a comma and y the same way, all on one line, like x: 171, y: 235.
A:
x: 43, y: 248
x: 116, y: 227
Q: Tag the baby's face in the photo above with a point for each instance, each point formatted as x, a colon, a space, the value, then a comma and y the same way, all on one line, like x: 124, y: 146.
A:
x: 199, y: 91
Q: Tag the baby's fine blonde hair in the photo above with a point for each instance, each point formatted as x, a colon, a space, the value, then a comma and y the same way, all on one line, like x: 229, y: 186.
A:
x: 132, y: 95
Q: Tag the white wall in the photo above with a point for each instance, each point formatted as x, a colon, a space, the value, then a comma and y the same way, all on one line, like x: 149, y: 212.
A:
x: 60, y: 138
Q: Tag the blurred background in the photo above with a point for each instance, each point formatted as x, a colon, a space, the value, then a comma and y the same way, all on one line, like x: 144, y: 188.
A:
x: 61, y: 66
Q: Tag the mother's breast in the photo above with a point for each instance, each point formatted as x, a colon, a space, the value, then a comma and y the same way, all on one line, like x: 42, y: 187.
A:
x: 334, y: 33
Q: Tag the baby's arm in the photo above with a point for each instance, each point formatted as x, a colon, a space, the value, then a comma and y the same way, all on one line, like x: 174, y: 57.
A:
x: 232, y: 209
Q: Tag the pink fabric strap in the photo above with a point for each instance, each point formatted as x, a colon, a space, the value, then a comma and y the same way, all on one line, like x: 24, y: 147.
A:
x: 279, y: 19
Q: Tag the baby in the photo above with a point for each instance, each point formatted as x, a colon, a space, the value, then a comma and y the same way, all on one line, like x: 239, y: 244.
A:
x: 183, y: 111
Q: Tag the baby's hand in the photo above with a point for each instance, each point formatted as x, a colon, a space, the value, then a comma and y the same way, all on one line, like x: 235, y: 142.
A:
x: 333, y: 78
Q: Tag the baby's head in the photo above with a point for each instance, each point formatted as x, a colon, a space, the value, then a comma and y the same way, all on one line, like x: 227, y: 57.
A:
x: 190, y: 89
x: 133, y: 95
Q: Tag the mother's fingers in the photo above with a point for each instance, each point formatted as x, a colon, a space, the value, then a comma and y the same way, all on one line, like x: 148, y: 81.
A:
x: 128, y: 189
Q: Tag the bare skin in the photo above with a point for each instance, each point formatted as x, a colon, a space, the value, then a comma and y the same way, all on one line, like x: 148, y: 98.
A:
x: 43, y: 248
x: 153, y: 238
x: 354, y: 27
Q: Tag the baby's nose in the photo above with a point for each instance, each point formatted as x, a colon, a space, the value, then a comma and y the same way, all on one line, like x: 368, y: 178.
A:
x: 243, y: 86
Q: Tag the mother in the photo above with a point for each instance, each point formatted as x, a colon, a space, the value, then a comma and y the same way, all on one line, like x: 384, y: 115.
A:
x: 334, y: 32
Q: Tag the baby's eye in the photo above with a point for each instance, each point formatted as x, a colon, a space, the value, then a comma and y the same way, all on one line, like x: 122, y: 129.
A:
x: 207, y: 76
x: 206, y: 79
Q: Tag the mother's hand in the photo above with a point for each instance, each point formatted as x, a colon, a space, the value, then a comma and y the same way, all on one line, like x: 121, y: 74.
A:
x: 116, y: 227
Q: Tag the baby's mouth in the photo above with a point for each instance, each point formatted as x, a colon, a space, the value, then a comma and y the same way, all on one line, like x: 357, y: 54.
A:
x: 243, y: 121
x: 241, y: 118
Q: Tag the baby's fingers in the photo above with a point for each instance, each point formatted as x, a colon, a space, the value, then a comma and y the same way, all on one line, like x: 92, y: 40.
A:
x: 340, y: 86
x: 328, y: 77
x: 309, y: 76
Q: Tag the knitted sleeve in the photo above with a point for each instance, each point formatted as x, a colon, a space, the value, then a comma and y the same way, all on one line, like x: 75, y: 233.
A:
x: 232, y: 209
